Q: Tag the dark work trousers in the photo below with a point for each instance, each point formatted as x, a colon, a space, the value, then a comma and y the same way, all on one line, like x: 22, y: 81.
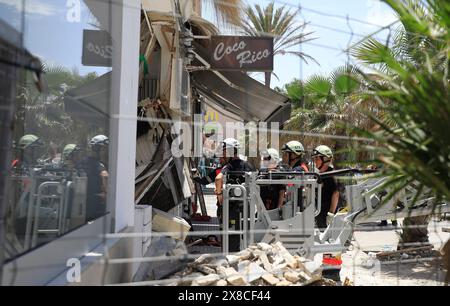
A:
x: 234, y: 224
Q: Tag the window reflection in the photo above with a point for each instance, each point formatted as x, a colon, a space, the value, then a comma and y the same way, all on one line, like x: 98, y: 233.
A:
x: 59, y: 171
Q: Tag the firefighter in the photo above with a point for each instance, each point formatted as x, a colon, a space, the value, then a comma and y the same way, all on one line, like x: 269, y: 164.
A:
x: 71, y: 156
x: 323, y: 157
x: 271, y: 194
x: 293, y: 160
x: 270, y: 160
x: 97, y: 174
x: 30, y: 148
x: 233, y: 162
x: 293, y: 156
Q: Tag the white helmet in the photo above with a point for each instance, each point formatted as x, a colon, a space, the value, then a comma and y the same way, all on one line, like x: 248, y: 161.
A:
x: 271, y: 154
x: 99, y: 140
x: 295, y: 147
x: 323, y: 151
x: 230, y: 143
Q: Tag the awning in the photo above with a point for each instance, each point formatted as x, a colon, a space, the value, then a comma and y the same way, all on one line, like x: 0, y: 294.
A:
x: 90, y: 102
x: 245, y: 97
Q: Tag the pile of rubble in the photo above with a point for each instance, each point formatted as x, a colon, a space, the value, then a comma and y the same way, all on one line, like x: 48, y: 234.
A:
x: 409, y: 254
x: 259, y: 265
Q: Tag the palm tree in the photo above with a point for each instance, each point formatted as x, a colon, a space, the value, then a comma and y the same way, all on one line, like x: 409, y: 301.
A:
x: 226, y: 12
x: 413, y: 90
x: 280, y: 24
x: 327, y: 105
x: 43, y: 113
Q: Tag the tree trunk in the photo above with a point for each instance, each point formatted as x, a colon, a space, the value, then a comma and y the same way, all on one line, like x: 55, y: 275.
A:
x: 445, y: 252
x: 268, y: 77
x: 415, y: 230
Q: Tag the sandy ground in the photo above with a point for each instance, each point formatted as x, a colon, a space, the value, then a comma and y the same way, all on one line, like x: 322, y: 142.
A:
x: 362, y: 270
x: 360, y: 267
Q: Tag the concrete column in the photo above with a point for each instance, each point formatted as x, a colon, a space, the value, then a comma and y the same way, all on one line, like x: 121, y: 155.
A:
x: 125, y: 18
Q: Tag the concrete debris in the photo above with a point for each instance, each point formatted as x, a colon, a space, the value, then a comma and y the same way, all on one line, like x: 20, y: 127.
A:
x: 205, y: 270
x: 245, y: 255
x: 292, y: 277
x: 264, y: 246
x: 221, y: 283
x: 347, y: 282
x: 230, y: 272
x: 253, y: 272
x: 237, y: 280
x: 270, y: 279
x: 284, y: 283
x: 261, y: 264
x: 408, y: 253
x: 206, y: 280
x: 232, y: 259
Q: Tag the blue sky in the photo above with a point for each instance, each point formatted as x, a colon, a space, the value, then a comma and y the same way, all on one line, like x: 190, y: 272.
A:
x: 50, y: 36
x: 288, y: 67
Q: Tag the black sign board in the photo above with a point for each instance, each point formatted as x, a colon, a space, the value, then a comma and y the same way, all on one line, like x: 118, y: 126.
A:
x: 244, y: 53
x: 97, y: 48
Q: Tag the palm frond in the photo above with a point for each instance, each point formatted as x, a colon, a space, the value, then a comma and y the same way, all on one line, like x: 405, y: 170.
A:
x: 226, y: 12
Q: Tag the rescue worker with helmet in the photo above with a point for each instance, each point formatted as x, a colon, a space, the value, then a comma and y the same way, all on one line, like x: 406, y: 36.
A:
x: 71, y: 156
x: 96, y: 170
x: 323, y: 157
x: 293, y: 160
x: 233, y: 162
x: 271, y: 194
x: 30, y: 147
x: 293, y: 156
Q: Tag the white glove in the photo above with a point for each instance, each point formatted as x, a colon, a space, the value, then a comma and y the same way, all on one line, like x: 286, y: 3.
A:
x: 330, y: 217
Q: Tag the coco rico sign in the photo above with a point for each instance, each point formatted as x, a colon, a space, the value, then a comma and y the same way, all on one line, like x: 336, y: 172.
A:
x: 97, y: 49
x: 242, y: 53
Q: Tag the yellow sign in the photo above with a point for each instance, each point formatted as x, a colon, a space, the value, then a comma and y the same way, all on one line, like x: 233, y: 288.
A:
x: 211, y: 116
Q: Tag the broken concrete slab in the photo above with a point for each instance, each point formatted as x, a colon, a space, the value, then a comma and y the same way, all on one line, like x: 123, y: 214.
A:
x: 265, y: 262
x: 289, y: 259
x: 221, y: 283
x: 277, y: 260
x: 206, y: 280
x: 252, y: 272
x: 244, y: 255
x: 232, y: 259
x: 236, y: 280
x: 264, y: 246
x: 204, y: 269
x: 218, y: 262
x: 243, y: 265
x: 283, y: 283
x: 270, y: 279
x: 230, y: 272
x: 291, y: 276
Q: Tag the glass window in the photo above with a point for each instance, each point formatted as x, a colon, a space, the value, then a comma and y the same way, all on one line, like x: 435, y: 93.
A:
x: 58, y: 175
